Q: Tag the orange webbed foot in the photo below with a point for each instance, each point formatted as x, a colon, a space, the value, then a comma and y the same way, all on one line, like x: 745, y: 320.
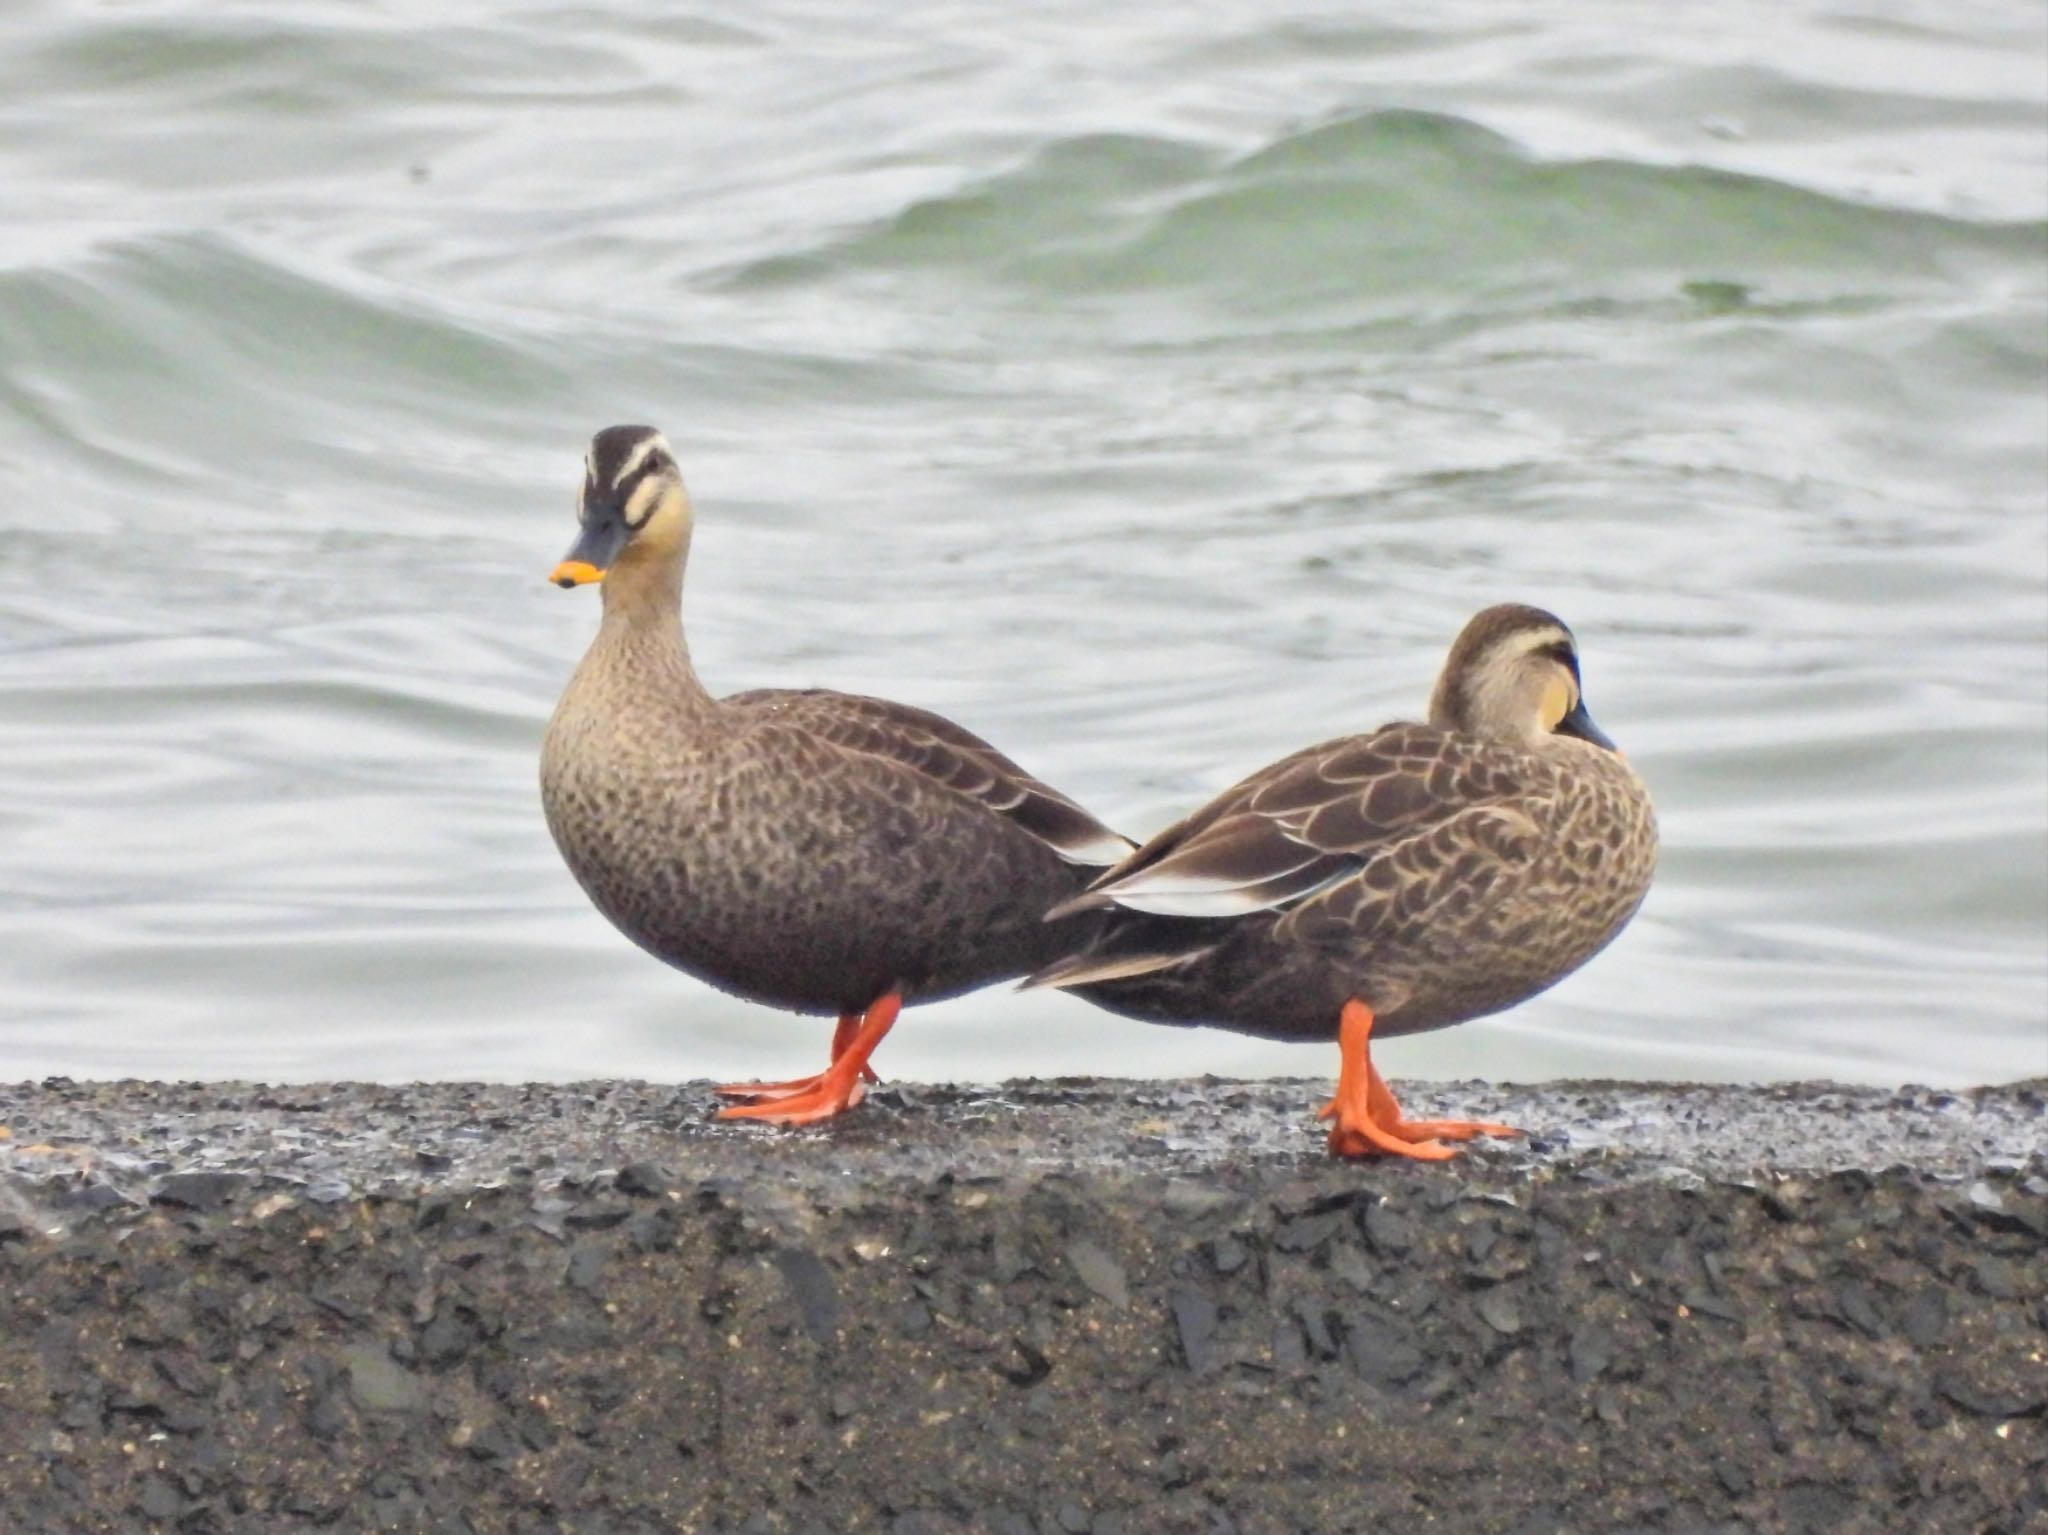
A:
x: 842, y: 1038
x: 1368, y: 1120
x: 839, y: 1087
x: 757, y: 1090
x: 1363, y: 1138
x: 1451, y: 1129
x: 828, y: 1100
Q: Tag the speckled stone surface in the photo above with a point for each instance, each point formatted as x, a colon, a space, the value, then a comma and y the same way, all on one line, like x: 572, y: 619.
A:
x: 1052, y: 1306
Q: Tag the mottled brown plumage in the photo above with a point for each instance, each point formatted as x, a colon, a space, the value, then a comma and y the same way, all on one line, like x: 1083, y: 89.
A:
x: 1431, y: 872
x: 809, y: 850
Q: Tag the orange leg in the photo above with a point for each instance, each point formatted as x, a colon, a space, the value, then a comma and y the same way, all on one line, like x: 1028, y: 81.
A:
x: 842, y: 1036
x: 1367, y: 1117
x: 1388, y: 1112
x: 839, y: 1086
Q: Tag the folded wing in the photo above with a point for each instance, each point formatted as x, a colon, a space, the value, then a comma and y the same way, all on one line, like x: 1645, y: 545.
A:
x: 1304, y: 824
x: 939, y: 750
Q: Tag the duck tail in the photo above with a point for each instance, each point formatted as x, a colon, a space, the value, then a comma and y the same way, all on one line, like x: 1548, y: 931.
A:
x: 1087, y: 900
x: 1089, y: 969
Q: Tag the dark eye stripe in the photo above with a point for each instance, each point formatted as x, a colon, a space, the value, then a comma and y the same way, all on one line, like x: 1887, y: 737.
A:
x: 1563, y: 654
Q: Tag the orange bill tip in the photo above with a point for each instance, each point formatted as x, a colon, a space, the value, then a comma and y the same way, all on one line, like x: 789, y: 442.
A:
x: 575, y: 573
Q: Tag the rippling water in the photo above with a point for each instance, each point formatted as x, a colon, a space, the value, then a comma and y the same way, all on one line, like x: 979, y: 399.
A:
x: 1152, y: 388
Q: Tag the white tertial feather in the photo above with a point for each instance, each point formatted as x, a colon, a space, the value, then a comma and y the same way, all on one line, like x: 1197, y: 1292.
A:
x: 1221, y: 901
x: 1098, y: 852
x: 1221, y: 895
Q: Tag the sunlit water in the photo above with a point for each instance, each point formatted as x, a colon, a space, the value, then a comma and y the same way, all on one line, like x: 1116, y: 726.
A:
x: 1154, y: 389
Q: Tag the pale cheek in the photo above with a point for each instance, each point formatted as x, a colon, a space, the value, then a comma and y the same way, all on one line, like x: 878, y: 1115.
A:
x: 663, y: 530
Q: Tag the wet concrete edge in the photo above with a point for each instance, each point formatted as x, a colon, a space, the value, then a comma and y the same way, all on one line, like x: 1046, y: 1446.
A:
x: 1048, y: 1306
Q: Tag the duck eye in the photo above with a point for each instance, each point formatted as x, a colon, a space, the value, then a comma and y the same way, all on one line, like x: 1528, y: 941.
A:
x: 1564, y: 656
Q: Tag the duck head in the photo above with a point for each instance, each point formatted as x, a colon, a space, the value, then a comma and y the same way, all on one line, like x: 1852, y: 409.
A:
x: 632, y: 509
x: 1513, y: 675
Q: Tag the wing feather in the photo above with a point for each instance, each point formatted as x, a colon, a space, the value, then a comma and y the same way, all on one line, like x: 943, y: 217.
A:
x: 1363, y: 806
x: 941, y: 751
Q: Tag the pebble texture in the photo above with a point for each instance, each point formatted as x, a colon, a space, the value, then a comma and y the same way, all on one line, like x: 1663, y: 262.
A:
x: 1051, y: 1307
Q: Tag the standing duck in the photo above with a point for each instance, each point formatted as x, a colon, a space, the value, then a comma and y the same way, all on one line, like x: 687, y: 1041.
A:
x: 805, y: 849
x: 1401, y: 881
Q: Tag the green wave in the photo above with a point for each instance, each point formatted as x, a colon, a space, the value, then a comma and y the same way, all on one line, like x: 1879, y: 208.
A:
x: 194, y: 340
x: 1402, y: 203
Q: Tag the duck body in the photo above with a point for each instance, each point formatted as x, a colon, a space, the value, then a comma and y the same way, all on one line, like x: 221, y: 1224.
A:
x: 814, y: 851
x: 1439, y: 878
x: 800, y: 849
x: 1404, y: 880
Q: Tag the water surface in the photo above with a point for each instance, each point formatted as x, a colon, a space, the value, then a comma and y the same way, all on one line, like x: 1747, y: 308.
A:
x: 1154, y: 391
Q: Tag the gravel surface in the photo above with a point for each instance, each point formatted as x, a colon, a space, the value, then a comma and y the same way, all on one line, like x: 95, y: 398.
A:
x: 1048, y: 1307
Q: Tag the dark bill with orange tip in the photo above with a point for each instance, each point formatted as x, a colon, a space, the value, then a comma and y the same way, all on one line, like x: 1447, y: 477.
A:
x: 598, y: 542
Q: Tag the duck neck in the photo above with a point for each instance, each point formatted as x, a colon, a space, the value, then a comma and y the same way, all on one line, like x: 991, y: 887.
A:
x: 1490, y: 708
x: 643, y: 623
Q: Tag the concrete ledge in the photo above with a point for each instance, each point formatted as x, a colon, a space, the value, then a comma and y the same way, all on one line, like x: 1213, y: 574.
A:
x: 1049, y: 1307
